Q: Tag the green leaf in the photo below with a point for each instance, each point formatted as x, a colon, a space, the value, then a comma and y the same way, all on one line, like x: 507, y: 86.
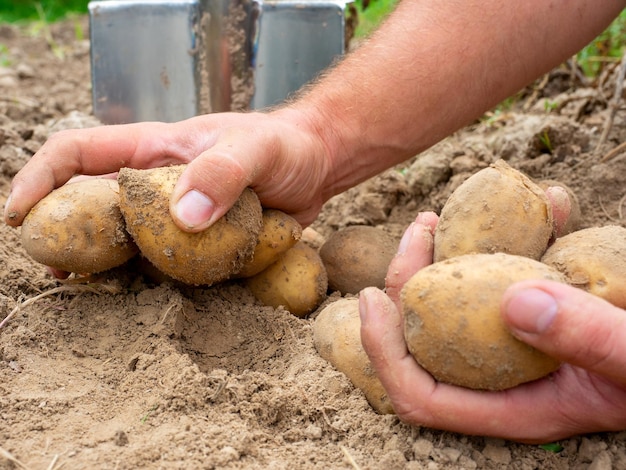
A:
x: 552, y: 447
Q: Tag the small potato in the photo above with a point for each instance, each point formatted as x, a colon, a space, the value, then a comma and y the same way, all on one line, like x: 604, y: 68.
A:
x: 357, y: 257
x: 453, y: 326
x: 593, y: 259
x: 278, y: 233
x: 575, y: 217
x: 297, y: 281
x: 203, y: 258
x: 495, y: 210
x: 337, y: 338
x: 79, y: 228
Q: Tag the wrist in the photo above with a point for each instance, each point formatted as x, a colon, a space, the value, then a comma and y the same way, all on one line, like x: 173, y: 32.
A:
x: 327, y: 138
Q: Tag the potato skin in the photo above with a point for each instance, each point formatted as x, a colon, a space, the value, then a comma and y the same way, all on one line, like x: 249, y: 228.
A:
x: 279, y: 232
x: 297, y: 281
x: 498, y: 209
x: 593, y: 259
x: 453, y: 326
x: 337, y: 338
x: 203, y: 258
x: 357, y: 257
x: 79, y: 228
x: 575, y: 217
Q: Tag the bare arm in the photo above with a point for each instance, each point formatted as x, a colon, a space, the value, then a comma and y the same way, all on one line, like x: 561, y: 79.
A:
x: 433, y: 67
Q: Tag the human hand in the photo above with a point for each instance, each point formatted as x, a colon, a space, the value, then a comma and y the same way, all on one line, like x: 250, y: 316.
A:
x: 277, y: 154
x: 587, y: 393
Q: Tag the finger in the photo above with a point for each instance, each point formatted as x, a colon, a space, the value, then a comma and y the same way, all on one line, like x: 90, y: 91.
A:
x: 542, y: 411
x: 416, y: 397
x: 216, y: 178
x: 91, y: 151
x: 382, y: 336
x: 561, y: 209
x: 286, y: 172
x: 57, y: 273
x: 415, y: 251
x: 569, y: 324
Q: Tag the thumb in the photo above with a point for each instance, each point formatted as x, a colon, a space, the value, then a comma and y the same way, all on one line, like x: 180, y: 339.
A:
x: 569, y: 324
x: 213, y: 181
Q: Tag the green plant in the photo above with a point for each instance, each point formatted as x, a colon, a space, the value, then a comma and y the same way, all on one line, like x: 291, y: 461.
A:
x: 5, y: 59
x: 12, y: 11
x: 544, y: 138
x: 371, y: 14
x: 552, y: 447
x: 549, y: 105
x: 607, y: 47
x: 147, y: 414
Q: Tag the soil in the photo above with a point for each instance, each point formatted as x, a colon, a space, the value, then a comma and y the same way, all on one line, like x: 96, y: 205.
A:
x: 128, y: 373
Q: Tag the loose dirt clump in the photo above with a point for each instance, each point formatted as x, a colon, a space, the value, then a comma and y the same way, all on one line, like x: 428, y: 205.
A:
x: 146, y: 375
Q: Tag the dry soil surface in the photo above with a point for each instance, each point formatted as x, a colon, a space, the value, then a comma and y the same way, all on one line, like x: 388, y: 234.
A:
x: 158, y: 376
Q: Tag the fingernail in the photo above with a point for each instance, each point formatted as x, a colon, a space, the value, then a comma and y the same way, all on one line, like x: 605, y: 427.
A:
x: 363, y: 305
x: 531, y: 311
x: 7, y: 214
x: 194, y: 208
x: 366, y: 301
x: 8, y: 201
x: 405, y: 241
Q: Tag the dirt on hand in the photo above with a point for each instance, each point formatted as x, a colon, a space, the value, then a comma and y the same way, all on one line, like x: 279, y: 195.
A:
x: 128, y: 373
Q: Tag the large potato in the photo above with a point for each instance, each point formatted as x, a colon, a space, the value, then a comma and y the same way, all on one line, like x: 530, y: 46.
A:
x: 79, y: 228
x: 297, y: 281
x: 207, y: 257
x: 453, y: 326
x: 278, y: 233
x: 337, y: 338
x: 495, y: 210
x: 357, y: 257
x: 593, y: 259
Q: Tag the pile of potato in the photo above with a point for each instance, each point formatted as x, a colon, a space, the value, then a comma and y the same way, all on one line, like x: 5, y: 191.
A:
x: 94, y: 225
x: 495, y: 229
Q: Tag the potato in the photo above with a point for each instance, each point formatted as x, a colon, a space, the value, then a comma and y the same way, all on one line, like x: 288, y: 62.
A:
x: 337, y: 338
x: 297, y: 281
x: 203, y: 258
x: 575, y: 217
x: 453, y: 326
x: 278, y: 233
x: 357, y: 257
x: 79, y: 228
x: 593, y: 259
x: 495, y: 210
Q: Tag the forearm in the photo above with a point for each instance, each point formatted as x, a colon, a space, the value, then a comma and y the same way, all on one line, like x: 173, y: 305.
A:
x: 432, y: 68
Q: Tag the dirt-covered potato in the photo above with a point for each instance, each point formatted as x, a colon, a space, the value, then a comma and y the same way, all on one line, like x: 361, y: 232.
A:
x: 498, y: 209
x: 357, y: 257
x: 337, y: 338
x: 297, y: 281
x: 453, y: 325
x: 593, y: 259
x: 575, y: 217
x: 79, y: 228
x: 278, y: 233
x: 203, y: 258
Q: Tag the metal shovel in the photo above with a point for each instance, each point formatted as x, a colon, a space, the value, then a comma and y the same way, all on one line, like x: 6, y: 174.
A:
x: 168, y: 60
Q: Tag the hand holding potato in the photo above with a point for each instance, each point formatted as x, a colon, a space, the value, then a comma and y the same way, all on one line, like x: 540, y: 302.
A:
x: 587, y: 394
x: 225, y: 153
